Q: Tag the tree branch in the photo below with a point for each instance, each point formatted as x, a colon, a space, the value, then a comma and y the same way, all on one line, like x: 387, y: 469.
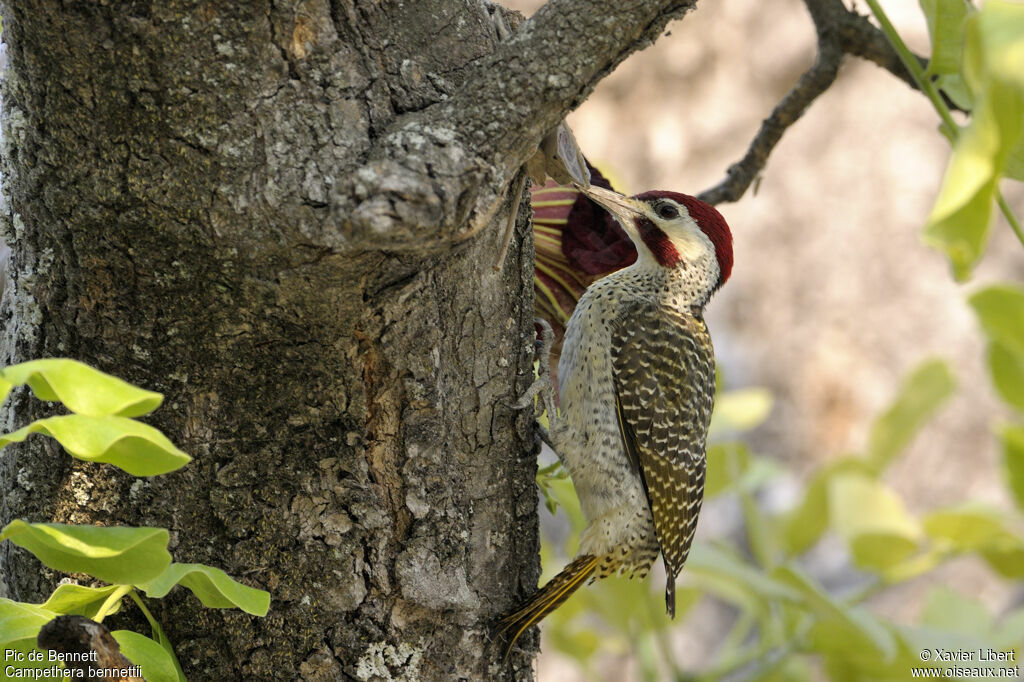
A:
x: 861, y: 38
x: 812, y: 83
x: 438, y: 175
x: 840, y: 32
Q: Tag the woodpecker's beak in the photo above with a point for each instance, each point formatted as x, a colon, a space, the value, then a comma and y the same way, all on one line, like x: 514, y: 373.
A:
x: 619, y: 206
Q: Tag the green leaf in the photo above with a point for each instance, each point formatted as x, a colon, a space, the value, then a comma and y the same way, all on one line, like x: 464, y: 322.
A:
x: 579, y: 643
x: 873, y: 521
x: 920, y: 638
x: 947, y: 609
x: 5, y: 388
x: 212, y: 586
x: 790, y: 669
x: 1013, y: 462
x: 972, y: 528
x: 1010, y: 630
x: 1000, y: 309
x: 630, y: 606
x: 1007, y: 370
x: 26, y: 669
x: 851, y: 631
x: 959, y: 221
x: 564, y: 495
x: 81, y: 388
x: 80, y: 601
x: 19, y: 627
x: 946, y: 27
x: 133, y: 446
x: 125, y: 556
x: 156, y: 665
x: 956, y: 89
x: 740, y: 410
x: 803, y: 526
x: 1015, y: 162
x: 923, y: 392
x: 732, y: 467
x: 19, y: 620
x: 545, y: 475
x: 1000, y: 26
x: 714, y: 565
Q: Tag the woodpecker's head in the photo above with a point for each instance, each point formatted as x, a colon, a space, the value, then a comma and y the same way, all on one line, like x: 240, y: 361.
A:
x: 672, y: 230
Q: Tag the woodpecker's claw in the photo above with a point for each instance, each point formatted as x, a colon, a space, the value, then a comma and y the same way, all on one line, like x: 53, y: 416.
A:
x: 542, y: 385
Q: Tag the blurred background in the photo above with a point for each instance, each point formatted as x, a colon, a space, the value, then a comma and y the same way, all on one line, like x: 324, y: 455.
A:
x: 834, y: 301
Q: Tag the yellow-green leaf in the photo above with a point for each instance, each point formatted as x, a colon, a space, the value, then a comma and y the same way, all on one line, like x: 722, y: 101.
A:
x: 956, y: 89
x: 78, y: 600
x: 993, y: 52
x: 947, y: 609
x: 858, y: 631
x: 1007, y: 368
x: 81, y: 388
x: 21, y: 621
x: 715, y: 564
x: 740, y: 410
x: 1015, y: 162
x: 959, y: 220
x: 804, y: 525
x: 973, y: 528
x: 156, y: 664
x: 731, y: 466
x: 946, y: 27
x: 126, y: 556
x: 923, y: 392
x: 19, y: 626
x: 1010, y: 630
x: 212, y: 586
x: 133, y: 446
x: 564, y: 494
x: 873, y: 521
x: 1000, y: 309
x: 1013, y: 461
x: 20, y: 666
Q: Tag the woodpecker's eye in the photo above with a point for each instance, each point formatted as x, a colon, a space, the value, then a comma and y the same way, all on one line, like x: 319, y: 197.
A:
x: 666, y: 211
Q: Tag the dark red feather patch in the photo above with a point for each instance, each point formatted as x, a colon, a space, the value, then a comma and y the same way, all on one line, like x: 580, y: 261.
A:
x: 711, y: 223
x: 658, y: 243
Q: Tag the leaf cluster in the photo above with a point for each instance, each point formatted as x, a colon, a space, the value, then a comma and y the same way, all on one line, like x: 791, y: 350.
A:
x: 977, y: 64
x: 102, y: 428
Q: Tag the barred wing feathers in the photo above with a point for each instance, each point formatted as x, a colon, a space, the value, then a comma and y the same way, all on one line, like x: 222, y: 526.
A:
x: 664, y: 372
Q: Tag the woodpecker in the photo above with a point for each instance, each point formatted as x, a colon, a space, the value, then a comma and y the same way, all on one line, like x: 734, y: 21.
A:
x: 636, y: 381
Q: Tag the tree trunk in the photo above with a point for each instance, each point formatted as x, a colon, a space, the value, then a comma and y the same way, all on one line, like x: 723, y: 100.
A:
x: 284, y: 216
x: 348, y: 413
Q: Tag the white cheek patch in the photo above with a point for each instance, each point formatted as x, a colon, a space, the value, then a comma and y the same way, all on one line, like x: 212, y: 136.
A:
x: 691, y: 243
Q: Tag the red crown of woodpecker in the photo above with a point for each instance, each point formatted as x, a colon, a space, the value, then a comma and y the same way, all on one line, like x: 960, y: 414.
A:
x: 710, y: 222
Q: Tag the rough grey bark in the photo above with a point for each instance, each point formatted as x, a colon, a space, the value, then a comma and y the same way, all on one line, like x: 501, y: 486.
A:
x: 262, y: 210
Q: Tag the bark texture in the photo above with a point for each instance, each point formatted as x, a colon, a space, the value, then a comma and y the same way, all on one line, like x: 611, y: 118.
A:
x: 261, y: 209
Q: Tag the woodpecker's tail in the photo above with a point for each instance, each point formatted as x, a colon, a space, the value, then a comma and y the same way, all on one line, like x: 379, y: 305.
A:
x: 547, y: 599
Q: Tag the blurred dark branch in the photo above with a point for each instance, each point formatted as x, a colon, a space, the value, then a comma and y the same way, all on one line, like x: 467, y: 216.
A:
x: 840, y: 32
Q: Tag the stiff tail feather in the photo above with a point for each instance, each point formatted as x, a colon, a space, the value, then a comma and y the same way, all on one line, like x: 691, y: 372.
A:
x: 547, y: 599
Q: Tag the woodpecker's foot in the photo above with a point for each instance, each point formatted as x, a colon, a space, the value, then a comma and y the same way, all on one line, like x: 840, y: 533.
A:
x: 543, y: 385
